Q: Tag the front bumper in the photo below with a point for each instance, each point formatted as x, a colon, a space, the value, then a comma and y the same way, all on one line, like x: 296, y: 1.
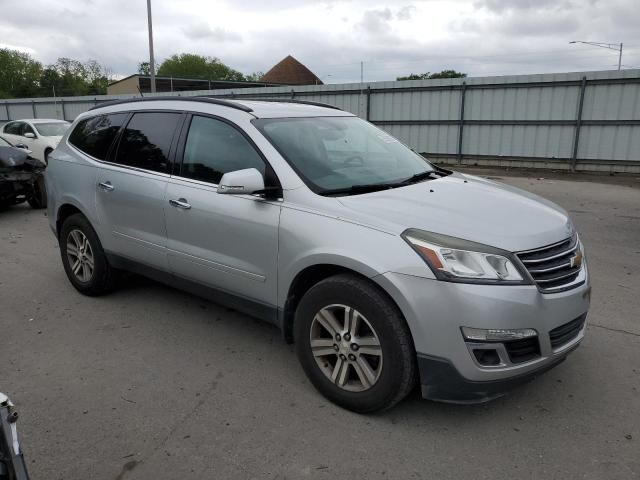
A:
x: 440, y: 381
x: 436, y: 310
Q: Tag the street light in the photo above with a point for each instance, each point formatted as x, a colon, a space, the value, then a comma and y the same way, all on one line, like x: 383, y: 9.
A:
x: 611, y: 46
x: 152, y: 67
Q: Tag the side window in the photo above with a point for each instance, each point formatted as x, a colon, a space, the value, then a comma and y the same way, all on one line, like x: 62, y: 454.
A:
x: 214, y: 148
x: 26, y: 128
x: 13, y: 128
x: 95, y: 135
x: 146, y: 141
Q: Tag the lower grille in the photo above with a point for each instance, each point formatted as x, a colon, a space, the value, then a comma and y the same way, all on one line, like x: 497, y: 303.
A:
x: 563, y: 334
x: 521, y: 351
x: 554, y: 267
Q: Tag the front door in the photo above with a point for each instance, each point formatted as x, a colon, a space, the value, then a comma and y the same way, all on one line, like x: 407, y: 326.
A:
x: 229, y: 242
x: 130, y: 189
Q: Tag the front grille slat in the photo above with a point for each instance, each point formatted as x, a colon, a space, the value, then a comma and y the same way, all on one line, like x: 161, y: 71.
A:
x: 552, y: 267
x: 569, y: 273
x: 563, y: 334
x: 547, y: 256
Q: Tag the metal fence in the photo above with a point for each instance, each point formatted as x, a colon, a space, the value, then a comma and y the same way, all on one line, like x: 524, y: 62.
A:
x: 588, y: 121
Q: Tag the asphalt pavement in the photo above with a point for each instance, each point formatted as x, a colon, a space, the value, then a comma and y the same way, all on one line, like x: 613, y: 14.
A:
x: 153, y: 383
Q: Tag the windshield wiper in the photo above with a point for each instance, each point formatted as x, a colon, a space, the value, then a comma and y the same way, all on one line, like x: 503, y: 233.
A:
x: 428, y: 175
x: 376, y: 187
x: 355, y: 189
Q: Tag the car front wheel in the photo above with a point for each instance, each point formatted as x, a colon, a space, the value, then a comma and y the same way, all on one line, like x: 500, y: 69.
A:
x: 354, y: 344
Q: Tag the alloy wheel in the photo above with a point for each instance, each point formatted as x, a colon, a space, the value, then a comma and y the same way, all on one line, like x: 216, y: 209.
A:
x: 80, y: 255
x: 346, y: 348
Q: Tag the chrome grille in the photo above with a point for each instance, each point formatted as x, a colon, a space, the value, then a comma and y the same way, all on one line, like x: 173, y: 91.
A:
x: 554, y: 267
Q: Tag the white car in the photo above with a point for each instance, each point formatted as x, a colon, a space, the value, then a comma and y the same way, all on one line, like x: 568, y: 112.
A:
x: 41, y: 135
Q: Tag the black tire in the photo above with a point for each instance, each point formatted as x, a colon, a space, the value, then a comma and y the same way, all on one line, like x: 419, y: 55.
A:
x: 398, y: 372
x: 46, y: 156
x: 103, y: 277
x: 38, y: 199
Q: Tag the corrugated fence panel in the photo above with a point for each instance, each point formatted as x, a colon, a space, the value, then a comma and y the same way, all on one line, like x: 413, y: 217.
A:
x: 426, y: 139
x: 612, y: 102
x: 518, y: 141
x: 519, y: 118
x: 20, y: 110
x: 617, y: 143
x: 49, y: 110
x: 72, y: 110
x: 539, y: 103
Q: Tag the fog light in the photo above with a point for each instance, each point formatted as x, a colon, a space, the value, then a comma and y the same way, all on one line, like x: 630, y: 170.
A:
x: 489, y: 358
x: 497, y: 334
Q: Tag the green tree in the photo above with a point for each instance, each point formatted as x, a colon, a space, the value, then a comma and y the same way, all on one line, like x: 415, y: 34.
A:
x: 254, y: 77
x: 144, y: 68
x: 431, y: 76
x: 19, y: 74
x: 188, y: 65
x: 96, y: 77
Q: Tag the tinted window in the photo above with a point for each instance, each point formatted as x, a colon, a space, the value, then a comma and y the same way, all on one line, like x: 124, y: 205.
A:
x: 94, y: 135
x: 146, y: 141
x: 13, y: 128
x: 214, y: 148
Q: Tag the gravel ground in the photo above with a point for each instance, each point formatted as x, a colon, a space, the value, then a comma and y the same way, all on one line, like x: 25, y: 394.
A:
x: 151, y: 383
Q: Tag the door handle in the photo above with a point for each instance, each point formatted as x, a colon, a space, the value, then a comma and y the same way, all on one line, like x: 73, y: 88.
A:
x: 106, y: 186
x: 180, y: 203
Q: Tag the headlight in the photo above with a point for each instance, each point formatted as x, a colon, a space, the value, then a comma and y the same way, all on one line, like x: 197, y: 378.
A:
x: 456, y: 260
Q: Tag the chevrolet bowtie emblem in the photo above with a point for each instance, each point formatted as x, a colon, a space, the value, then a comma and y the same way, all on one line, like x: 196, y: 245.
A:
x: 576, y: 260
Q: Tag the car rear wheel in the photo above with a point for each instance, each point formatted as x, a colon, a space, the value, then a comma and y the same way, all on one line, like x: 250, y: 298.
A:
x: 354, y: 344
x: 84, y: 260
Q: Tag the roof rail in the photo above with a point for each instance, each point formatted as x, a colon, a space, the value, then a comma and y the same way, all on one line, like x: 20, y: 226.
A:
x: 282, y: 100
x: 216, y: 101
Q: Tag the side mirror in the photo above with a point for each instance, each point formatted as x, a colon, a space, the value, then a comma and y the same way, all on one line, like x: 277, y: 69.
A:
x: 30, y: 135
x: 245, y: 181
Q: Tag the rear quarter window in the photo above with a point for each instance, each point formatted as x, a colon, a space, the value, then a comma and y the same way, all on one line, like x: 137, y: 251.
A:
x: 95, y: 135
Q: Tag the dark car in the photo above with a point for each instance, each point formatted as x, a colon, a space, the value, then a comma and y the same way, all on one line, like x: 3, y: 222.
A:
x: 21, y: 177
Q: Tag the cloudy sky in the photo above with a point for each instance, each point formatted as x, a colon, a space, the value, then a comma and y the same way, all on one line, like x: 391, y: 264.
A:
x: 332, y: 37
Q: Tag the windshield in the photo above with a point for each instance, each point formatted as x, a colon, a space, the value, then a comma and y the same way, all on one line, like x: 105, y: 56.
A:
x: 54, y: 129
x: 340, y: 153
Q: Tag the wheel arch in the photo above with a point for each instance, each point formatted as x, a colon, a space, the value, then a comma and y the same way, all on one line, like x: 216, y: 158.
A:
x: 309, y: 276
x: 64, y: 211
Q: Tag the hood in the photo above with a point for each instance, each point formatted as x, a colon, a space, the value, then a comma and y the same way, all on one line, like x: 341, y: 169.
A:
x: 467, y: 207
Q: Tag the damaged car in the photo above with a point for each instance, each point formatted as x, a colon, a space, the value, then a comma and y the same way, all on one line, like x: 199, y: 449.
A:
x: 21, y: 177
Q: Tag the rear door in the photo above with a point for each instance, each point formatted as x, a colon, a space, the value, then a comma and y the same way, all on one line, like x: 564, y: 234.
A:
x: 131, y: 186
x: 229, y: 242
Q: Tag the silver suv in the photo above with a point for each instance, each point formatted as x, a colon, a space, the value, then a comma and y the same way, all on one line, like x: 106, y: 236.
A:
x: 385, y: 270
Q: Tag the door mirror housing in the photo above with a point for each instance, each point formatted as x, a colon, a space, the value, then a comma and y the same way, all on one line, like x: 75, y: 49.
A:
x: 246, y: 181
x: 30, y: 135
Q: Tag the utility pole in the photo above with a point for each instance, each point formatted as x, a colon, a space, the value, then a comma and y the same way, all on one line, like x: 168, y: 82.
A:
x: 152, y: 66
x: 361, y: 86
x: 620, y: 57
